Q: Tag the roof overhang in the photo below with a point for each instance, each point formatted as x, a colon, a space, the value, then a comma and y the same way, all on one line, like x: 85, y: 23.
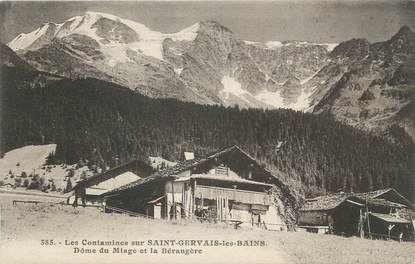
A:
x: 227, y: 179
x: 156, y: 200
x: 390, y: 218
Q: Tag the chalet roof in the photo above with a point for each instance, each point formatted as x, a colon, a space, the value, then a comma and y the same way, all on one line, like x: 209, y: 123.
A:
x: 227, y: 179
x: 407, y: 213
x: 383, y: 202
x: 113, y: 172
x: 331, y: 201
x: 378, y: 193
x: 134, y: 184
x: 390, y: 218
x: 325, y: 202
x: 372, y: 194
x: 188, y: 165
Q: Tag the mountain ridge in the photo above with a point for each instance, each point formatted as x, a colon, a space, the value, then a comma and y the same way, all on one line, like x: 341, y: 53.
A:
x: 192, y: 62
x: 366, y: 85
x: 369, y: 85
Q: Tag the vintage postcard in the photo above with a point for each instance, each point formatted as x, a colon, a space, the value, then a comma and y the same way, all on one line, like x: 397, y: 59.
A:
x: 207, y: 131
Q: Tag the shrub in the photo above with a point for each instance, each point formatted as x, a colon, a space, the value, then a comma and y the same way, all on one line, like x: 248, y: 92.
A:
x: 35, y: 183
x: 25, y: 183
x: 17, y: 182
x: 53, y: 187
x: 71, y: 173
x: 51, y: 159
x: 42, y: 182
x: 83, y: 175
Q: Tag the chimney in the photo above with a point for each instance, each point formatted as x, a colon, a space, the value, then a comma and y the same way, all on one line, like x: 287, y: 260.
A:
x: 189, y: 156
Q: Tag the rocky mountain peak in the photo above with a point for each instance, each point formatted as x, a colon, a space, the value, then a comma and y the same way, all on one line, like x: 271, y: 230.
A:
x: 214, y: 25
x: 402, y: 42
x: 404, y: 31
x: 203, y: 63
x: 354, y: 48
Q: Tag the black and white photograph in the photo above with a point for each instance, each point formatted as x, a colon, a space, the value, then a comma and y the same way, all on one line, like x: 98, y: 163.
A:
x: 232, y: 131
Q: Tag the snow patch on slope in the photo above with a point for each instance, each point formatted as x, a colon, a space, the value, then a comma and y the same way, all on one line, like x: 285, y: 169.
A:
x: 278, y: 44
x: 23, y: 41
x: 231, y: 86
x: 251, y: 42
x: 178, y: 71
x: 116, y: 54
x: 331, y: 46
x: 274, y: 99
x: 271, y: 98
x: 273, y: 44
x: 187, y: 34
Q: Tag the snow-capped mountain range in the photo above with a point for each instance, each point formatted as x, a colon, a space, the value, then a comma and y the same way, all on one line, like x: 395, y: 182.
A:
x: 204, y: 63
x: 367, y: 85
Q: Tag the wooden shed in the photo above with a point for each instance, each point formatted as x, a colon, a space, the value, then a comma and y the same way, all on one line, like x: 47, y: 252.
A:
x: 382, y: 213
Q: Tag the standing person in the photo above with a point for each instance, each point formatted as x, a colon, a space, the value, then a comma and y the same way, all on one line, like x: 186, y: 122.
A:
x: 80, y: 193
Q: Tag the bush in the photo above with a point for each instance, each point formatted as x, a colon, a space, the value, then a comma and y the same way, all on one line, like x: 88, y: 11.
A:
x: 17, y: 182
x: 83, y: 175
x: 1, y: 183
x: 71, y: 173
x: 42, y: 183
x: 51, y: 159
x: 25, y: 183
x: 35, y: 183
x: 53, y: 187
x: 23, y: 174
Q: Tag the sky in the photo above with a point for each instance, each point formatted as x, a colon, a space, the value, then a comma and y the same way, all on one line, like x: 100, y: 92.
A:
x: 330, y: 21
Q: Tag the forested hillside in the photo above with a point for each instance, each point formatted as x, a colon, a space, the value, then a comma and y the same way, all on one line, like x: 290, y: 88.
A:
x: 105, y: 124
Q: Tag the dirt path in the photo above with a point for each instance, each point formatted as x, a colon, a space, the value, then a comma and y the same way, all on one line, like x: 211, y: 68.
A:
x: 24, y: 226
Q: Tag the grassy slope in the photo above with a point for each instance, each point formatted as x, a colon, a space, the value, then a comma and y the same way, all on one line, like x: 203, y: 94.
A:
x: 24, y: 225
x: 31, y: 159
x: 311, y: 248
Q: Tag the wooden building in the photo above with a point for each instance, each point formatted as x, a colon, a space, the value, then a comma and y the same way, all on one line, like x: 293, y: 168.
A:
x: 382, y: 213
x: 113, y: 178
x: 228, y: 185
